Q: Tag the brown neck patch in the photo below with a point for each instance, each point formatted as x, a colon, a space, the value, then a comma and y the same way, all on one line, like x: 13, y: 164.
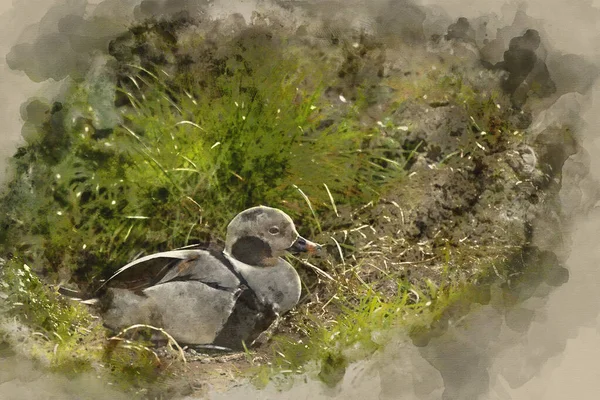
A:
x: 252, y: 250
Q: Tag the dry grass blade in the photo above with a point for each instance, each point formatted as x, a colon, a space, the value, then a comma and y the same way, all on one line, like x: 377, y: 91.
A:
x: 314, y: 267
x: 171, y: 340
x: 129, y: 344
x: 195, y: 203
x: 195, y: 125
x: 132, y: 133
x: 339, y: 250
x: 188, y: 160
x: 332, y: 202
x: 142, y: 69
x: 309, y: 206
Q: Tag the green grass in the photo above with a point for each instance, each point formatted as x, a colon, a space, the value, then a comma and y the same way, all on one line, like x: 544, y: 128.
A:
x: 89, y: 193
x: 357, y: 320
x: 182, y: 162
x: 63, y: 336
x: 178, y: 159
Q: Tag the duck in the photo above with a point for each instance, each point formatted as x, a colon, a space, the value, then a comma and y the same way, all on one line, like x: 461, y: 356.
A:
x: 204, y: 297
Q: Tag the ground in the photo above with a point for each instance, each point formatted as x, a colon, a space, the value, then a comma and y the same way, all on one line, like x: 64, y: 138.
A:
x: 437, y: 183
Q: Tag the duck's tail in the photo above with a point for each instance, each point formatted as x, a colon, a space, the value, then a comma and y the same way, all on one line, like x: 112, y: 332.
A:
x: 77, y: 295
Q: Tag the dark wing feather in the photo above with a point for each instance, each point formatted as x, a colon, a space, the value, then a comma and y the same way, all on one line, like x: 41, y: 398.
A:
x: 143, y: 275
x: 249, y: 318
x: 147, y: 271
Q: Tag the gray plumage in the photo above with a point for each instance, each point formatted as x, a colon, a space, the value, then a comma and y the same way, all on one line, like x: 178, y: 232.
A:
x: 205, y: 297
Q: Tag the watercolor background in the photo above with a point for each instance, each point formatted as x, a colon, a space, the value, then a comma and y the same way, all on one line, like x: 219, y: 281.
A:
x: 558, y: 357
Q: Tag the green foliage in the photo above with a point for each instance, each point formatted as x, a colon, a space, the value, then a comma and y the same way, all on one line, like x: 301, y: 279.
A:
x: 178, y: 158
x: 61, y: 325
x: 366, y: 321
x: 184, y: 160
x: 66, y: 337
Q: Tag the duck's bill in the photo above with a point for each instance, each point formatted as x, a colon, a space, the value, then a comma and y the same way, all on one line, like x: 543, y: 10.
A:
x: 302, y: 245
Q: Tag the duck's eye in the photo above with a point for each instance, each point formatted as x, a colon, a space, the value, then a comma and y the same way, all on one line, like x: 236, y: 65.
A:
x: 274, y: 230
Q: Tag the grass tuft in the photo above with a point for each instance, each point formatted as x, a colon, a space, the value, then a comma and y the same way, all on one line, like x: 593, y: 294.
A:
x: 147, y: 158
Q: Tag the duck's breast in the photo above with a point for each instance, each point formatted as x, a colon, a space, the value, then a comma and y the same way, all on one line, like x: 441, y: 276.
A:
x: 278, y: 286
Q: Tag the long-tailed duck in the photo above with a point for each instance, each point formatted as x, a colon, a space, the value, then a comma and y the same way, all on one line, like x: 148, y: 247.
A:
x: 204, y: 297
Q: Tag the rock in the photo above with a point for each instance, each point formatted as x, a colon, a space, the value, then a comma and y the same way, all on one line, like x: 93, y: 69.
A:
x: 440, y: 131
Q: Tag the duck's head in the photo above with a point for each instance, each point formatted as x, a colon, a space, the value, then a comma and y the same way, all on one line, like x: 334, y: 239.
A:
x: 260, y: 235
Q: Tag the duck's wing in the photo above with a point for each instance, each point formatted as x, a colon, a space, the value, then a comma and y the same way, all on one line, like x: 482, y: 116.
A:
x: 148, y: 270
x: 209, y: 267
